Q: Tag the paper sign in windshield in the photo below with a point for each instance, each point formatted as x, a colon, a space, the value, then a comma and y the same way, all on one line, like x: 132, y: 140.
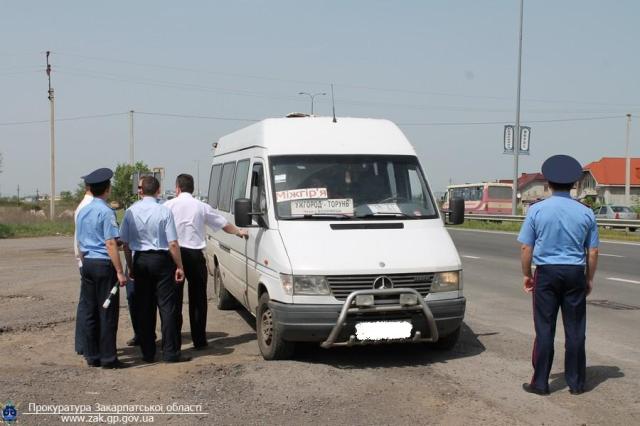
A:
x: 333, y: 206
x: 301, y: 194
x: 384, y: 208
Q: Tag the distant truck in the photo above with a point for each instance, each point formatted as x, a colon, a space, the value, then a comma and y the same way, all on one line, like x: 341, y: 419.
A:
x: 482, y: 198
x: 346, y: 244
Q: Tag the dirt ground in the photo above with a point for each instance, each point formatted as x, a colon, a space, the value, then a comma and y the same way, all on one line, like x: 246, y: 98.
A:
x: 476, y: 383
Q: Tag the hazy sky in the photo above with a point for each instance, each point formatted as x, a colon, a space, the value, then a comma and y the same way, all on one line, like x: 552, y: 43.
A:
x: 431, y: 63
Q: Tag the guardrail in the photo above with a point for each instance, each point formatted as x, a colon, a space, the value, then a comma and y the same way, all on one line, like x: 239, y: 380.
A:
x: 611, y: 223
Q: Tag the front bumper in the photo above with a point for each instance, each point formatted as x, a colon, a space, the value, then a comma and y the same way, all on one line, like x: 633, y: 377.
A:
x: 314, y: 323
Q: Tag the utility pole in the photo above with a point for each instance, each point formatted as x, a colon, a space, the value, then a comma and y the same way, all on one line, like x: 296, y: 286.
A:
x: 627, y: 167
x: 52, y: 208
x: 18, y: 190
x: 131, y: 161
x: 198, y: 175
x: 312, y: 96
x: 516, y: 147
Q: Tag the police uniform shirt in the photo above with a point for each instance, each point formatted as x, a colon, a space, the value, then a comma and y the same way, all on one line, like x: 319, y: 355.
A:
x: 148, y: 225
x: 190, y: 216
x: 95, y: 224
x: 559, y: 229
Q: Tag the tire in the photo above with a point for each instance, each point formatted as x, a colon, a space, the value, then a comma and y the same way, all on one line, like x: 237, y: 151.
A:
x: 447, y: 342
x: 632, y: 229
x: 225, y: 300
x: 271, y: 344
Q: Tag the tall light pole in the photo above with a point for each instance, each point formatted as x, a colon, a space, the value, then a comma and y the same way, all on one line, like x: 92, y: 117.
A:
x: 516, y: 147
x: 52, y: 208
x: 627, y: 167
x: 131, y: 161
x: 312, y: 96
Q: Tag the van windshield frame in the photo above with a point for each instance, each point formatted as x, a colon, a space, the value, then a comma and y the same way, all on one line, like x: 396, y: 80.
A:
x: 350, y: 187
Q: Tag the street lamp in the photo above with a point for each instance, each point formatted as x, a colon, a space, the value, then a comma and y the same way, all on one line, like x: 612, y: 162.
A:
x: 312, y: 96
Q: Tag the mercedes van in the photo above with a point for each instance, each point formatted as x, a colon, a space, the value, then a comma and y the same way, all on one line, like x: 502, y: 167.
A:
x: 346, y: 243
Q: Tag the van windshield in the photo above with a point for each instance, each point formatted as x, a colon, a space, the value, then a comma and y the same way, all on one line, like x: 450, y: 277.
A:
x: 349, y: 187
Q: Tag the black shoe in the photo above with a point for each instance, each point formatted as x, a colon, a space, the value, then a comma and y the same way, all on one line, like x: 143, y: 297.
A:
x: 179, y: 359
x: 115, y: 365
x: 149, y: 360
x: 95, y: 363
x: 530, y: 389
x: 133, y: 342
x: 576, y: 391
x: 201, y: 347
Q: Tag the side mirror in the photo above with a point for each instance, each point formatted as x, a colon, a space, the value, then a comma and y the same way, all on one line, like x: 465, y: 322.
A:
x: 242, y: 212
x: 456, y: 211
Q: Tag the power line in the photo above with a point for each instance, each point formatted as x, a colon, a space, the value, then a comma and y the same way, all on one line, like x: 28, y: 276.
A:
x: 81, y: 117
x: 343, y: 85
x: 482, y: 123
x: 201, y: 117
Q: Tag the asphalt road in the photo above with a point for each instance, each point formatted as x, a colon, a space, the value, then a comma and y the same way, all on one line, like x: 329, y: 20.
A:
x: 493, y: 277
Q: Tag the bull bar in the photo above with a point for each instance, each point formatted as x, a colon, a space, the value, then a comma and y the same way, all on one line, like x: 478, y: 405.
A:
x: 347, y: 309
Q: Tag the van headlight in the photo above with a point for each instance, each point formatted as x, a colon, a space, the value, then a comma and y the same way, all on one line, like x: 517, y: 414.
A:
x: 307, y: 285
x: 446, y: 281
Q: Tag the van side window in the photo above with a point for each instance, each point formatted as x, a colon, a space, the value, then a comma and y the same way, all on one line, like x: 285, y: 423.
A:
x: 214, y: 185
x: 226, y: 184
x: 258, y: 190
x: 240, y: 185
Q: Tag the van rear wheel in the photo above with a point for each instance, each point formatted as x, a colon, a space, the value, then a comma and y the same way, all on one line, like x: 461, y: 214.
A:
x: 270, y: 341
x: 225, y: 300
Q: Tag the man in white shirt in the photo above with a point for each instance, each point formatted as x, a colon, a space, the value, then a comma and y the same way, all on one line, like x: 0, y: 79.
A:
x: 88, y: 197
x: 190, y: 217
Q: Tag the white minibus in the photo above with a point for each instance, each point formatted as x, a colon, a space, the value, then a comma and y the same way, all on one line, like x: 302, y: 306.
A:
x: 346, y: 243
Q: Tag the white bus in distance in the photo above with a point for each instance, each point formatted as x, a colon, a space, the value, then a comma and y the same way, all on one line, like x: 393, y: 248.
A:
x: 346, y: 245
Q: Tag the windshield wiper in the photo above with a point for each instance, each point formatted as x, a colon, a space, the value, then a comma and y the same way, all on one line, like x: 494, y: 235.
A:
x: 320, y: 216
x: 379, y: 214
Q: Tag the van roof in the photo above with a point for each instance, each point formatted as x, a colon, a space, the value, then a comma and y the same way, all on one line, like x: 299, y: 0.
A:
x: 319, y: 135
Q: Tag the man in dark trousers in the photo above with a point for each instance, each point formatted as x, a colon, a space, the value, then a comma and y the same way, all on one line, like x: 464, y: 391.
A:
x: 560, y: 236
x: 97, y: 233
x: 148, y: 229
x: 191, y: 216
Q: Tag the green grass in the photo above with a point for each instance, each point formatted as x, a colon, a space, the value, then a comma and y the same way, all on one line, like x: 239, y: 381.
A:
x: 39, y: 229
x: 605, y: 234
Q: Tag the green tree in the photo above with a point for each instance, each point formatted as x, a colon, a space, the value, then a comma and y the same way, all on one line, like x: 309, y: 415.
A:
x: 121, y: 191
x: 78, y: 195
x: 66, y: 196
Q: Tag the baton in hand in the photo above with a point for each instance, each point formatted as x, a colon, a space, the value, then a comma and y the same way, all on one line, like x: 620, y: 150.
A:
x: 112, y: 293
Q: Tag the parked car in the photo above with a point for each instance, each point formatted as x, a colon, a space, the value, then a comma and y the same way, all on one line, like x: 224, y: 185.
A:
x: 616, y: 212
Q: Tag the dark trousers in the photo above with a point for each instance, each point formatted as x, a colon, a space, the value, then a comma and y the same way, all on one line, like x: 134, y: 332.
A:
x: 100, y: 325
x: 156, y: 289
x: 133, y: 313
x: 195, y: 270
x: 559, y: 287
x: 80, y: 320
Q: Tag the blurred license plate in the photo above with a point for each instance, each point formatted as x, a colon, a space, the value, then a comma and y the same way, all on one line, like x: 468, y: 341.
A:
x: 383, y: 330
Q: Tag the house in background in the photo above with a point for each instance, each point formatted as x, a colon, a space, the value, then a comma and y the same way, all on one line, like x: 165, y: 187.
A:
x: 603, y: 181
x: 532, y: 186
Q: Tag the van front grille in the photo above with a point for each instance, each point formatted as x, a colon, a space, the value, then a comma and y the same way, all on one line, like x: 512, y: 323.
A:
x: 343, y: 285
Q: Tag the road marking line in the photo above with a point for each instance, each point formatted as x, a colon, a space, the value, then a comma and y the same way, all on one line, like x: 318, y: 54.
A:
x: 622, y: 280
x: 470, y: 257
x: 609, y: 255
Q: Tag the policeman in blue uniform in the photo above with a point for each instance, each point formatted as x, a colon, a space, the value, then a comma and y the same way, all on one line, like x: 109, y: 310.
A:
x: 560, y: 236
x: 97, y: 234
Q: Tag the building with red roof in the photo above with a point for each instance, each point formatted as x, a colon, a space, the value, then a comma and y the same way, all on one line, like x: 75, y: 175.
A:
x: 604, y: 181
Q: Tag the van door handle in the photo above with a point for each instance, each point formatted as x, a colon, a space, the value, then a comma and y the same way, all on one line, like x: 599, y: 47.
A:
x: 225, y: 248
x: 209, y: 237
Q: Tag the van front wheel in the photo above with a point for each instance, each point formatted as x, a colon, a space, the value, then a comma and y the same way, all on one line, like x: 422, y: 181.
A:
x: 271, y: 344
x: 225, y: 299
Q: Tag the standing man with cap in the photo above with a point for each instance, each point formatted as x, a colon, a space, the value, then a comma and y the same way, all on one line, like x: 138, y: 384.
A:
x: 80, y: 320
x: 97, y: 234
x: 560, y: 236
x: 191, y: 216
x: 148, y: 229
